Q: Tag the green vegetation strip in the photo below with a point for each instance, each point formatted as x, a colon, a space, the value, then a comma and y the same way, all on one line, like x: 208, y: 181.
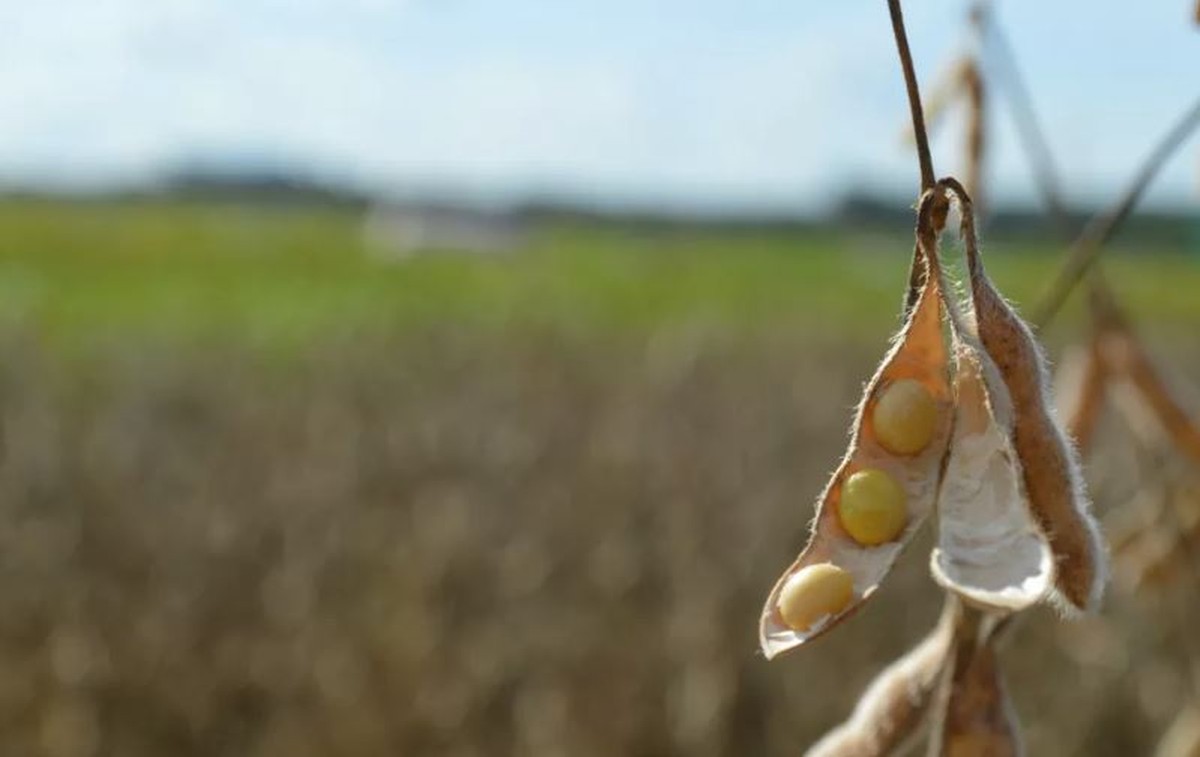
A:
x: 77, y: 272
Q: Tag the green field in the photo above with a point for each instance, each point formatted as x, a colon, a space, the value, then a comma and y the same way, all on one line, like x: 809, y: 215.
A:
x: 75, y: 272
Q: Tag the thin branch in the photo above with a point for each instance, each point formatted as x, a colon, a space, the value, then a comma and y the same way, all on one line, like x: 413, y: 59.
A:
x: 1087, y: 247
x: 1033, y: 137
x: 1029, y: 129
x: 1106, y: 315
x: 914, y: 95
x: 921, y: 136
x: 976, y: 141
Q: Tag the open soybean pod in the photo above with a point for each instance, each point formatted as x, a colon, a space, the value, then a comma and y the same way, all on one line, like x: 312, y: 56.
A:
x: 883, y: 489
x: 979, y: 720
x: 989, y: 550
x: 1051, y: 472
x: 891, y: 714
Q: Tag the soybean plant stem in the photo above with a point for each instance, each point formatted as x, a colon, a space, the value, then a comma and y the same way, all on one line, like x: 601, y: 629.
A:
x: 916, y: 271
x: 967, y: 617
x: 1033, y: 139
x: 1087, y: 246
x: 914, y: 96
x: 1029, y: 129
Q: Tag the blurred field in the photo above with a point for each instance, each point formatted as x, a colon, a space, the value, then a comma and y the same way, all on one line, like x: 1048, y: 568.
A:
x: 264, y: 495
x: 86, y: 271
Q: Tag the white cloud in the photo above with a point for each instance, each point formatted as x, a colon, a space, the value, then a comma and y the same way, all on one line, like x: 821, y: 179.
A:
x: 688, y: 106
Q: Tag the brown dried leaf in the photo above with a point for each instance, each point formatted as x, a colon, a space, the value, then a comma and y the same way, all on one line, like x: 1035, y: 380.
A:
x: 918, y: 353
x: 1053, y: 480
x: 891, y: 712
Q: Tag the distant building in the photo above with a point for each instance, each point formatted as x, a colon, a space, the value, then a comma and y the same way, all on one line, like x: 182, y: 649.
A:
x: 397, y: 232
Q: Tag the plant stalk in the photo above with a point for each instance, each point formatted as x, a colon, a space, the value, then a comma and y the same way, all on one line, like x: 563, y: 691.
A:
x: 1087, y: 246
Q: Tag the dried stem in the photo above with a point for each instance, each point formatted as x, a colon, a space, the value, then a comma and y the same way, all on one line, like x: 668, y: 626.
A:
x: 1125, y: 355
x: 1033, y: 138
x: 1029, y: 129
x: 972, y: 713
x: 921, y: 137
x: 1106, y: 315
x: 890, y: 715
x: 914, y: 95
x: 1087, y: 247
x: 977, y: 125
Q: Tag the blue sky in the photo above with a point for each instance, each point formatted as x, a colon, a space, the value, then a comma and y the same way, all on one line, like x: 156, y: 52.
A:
x: 703, y: 103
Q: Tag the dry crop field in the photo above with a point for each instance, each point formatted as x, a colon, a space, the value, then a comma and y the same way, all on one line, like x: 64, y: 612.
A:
x: 261, y: 495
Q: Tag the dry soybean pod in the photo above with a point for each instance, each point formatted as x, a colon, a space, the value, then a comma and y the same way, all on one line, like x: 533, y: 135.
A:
x: 1052, y: 477
x: 883, y: 489
x: 891, y: 713
x: 979, y: 719
x: 990, y: 552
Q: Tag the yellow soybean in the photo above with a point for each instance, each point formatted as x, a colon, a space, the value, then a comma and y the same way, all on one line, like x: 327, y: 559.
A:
x: 814, y: 592
x: 872, y: 507
x: 905, y: 417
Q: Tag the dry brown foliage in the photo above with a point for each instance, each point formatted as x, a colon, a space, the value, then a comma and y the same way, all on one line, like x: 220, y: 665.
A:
x: 470, y: 544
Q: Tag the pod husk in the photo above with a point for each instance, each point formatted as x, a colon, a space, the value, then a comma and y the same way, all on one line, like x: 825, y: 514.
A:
x: 989, y: 551
x: 979, y: 719
x: 1049, y: 462
x: 891, y: 714
x: 918, y: 352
